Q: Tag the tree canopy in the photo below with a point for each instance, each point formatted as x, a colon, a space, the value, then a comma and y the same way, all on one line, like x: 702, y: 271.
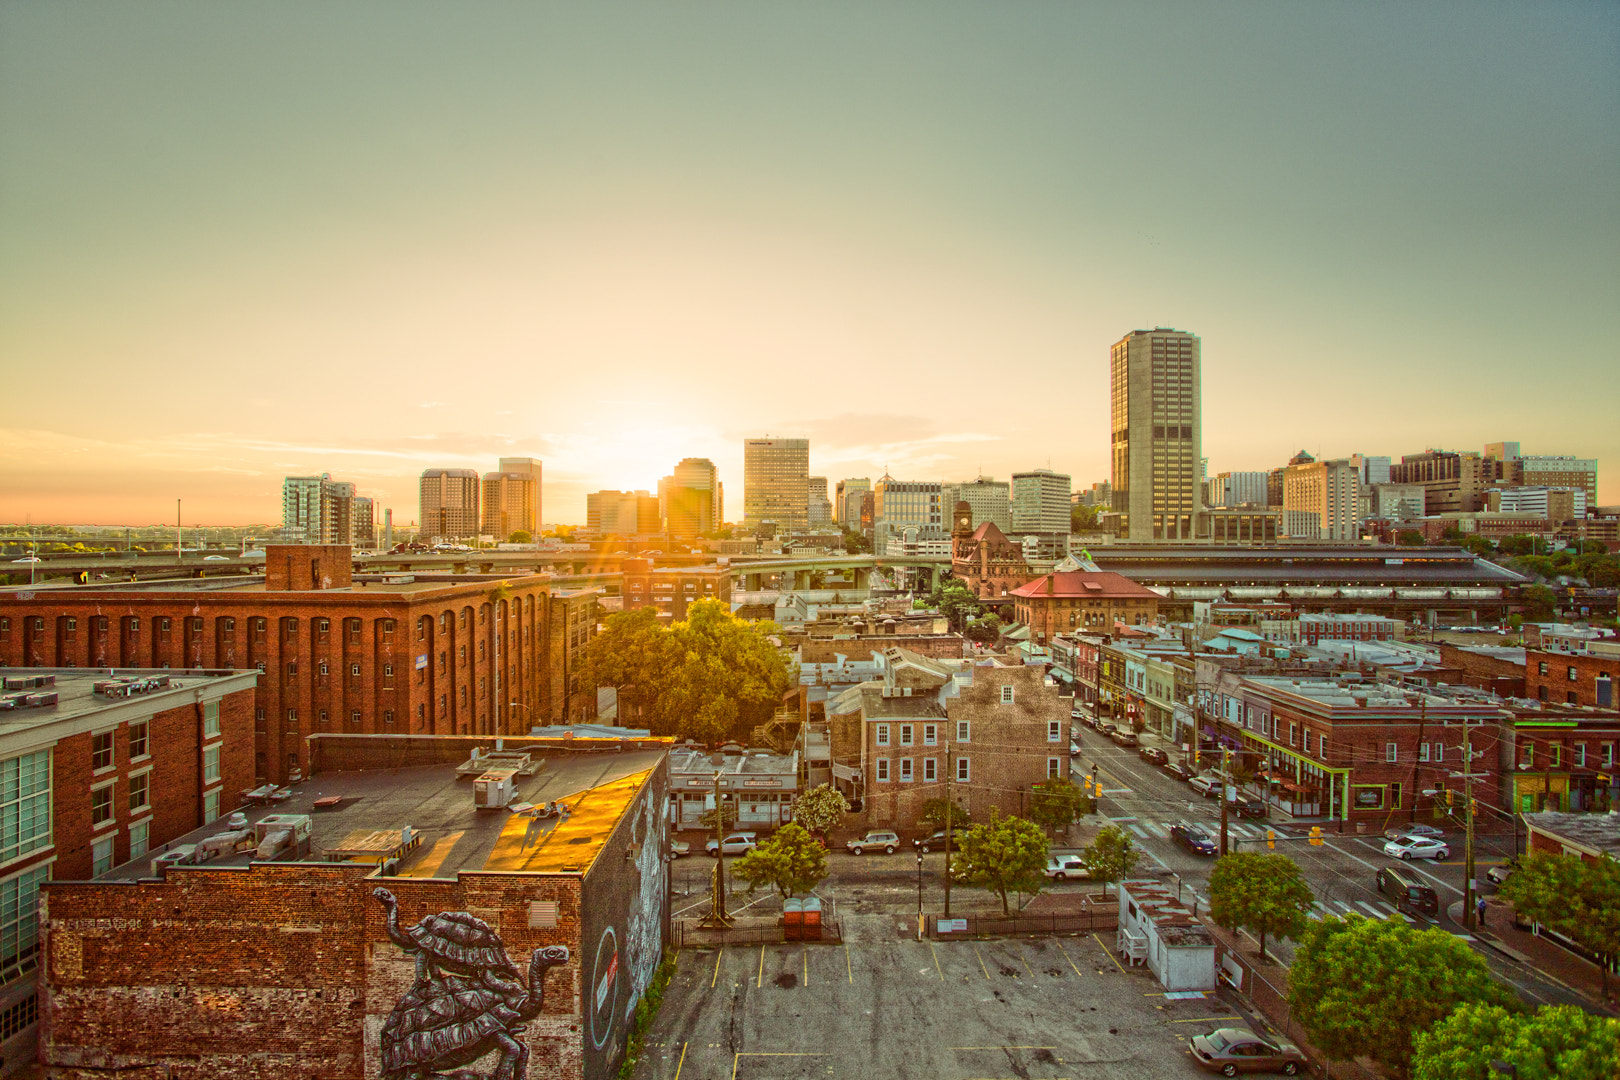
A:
x: 1082, y: 518
x: 820, y: 809
x: 520, y: 536
x: 1578, y: 899
x: 1557, y: 1042
x: 709, y: 678
x: 1362, y: 986
x: 933, y: 811
x: 1056, y: 803
x: 1111, y: 855
x: 1260, y: 891
x: 791, y: 861
x: 955, y: 601
x: 1004, y: 855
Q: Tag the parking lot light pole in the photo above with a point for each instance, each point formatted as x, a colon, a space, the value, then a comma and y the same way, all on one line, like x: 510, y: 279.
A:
x: 917, y: 847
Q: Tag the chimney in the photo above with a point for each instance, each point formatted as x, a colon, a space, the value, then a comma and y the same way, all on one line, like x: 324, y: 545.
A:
x: 1049, y: 589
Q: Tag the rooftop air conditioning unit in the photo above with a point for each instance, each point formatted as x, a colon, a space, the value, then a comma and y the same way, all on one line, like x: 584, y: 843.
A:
x: 495, y: 789
x: 175, y: 856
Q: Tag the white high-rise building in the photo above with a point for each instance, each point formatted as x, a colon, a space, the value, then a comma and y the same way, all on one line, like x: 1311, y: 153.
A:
x: 991, y: 500
x: 906, y: 511
x: 1040, y: 501
x: 1322, y: 501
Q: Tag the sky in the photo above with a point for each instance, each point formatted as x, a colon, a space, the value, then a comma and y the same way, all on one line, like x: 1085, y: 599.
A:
x: 240, y: 241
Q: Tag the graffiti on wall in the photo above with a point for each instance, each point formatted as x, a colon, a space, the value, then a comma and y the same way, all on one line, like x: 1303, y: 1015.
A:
x: 468, y: 1000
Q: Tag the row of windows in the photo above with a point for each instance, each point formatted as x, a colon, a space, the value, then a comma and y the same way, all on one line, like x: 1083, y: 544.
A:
x: 930, y: 732
x: 930, y: 770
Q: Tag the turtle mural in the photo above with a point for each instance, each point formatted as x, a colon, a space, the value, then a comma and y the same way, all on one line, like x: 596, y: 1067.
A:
x: 468, y: 999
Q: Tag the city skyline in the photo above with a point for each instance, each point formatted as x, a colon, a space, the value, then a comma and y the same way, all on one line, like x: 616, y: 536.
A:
x: 290, y: 241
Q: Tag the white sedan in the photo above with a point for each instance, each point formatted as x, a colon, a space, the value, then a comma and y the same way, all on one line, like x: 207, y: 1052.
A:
x: 1418, y: 847
x: 1418, y: 829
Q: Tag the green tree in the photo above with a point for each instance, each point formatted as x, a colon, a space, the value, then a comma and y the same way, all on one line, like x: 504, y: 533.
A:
x: 1409, y: 538
x: 954, y: 601
x: 1361, y: 986
x: 1477, y: 545
x: 792, y: 861
x: 1082, y: 518
x: 1260, y: 891
x: 1004, y: 855
x: 1539, y: 603
x: 820, y: 809
x: 1111, y: 855
x: 520, y: 536
x: 986, y: 629
x: 1056, y: 804
x: 709, y: 678
x: 1578, y: 899
x: 932, y: 815
x: 727, y: 811
x: 1558, y: 1042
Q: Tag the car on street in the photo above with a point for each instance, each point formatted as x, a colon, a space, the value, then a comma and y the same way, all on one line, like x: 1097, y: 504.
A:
x: 1124, y: 737
x: 1418, y: 847
x: 1193, y: 839
x: 1419, y: 829
x: 1498, y: 874
x: 1059, y: 867
x: 1204, y: 785
x: 1251, y: 808
x: 877, y: 840
x: 28, y: 558
x: 679, y: 849
x: 935, y: 841
x: 1076, y: 714
x: 739, y: 843
x: 1177, y: 770
x: 1153, y: 754
x: 216, y: 558
x: 1230, y: 1051
x: 1074, y: 748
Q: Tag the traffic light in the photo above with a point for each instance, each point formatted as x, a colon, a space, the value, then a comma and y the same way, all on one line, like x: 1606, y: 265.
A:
x: 1451, y: 797
x: 1316, y: 836
x: 1271, y: 839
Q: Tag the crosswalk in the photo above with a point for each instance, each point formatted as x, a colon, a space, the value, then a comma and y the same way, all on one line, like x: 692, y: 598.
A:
x: 1151, y: 830
x: 1372, y: 909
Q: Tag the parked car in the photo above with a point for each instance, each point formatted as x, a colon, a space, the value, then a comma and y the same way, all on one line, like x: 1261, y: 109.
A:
x: 1124, y: 737
x: 679, y: 849
x: 1177, y: 770
x: 1418, y: 847
x: 1498, y: 874
x: 1252, y: 808
x: 934, y: 842
x: 1193, y: 839
x: 1204, y: 785
x: 216, y: 558
x: 1153, y: 754
x: 28, y: 559
x: 1418, y: 829
x: 1230, y: 1051
x: 1074, y: 748
x: 1406, y: 892
x: 1059, y: 867
x: 1103, y: 727
x: 737, y: 843
x: 880, y: 839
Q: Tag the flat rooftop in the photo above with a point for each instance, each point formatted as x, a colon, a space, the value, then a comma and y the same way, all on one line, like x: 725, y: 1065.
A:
x: 76, y: 695
x: 437, y: 806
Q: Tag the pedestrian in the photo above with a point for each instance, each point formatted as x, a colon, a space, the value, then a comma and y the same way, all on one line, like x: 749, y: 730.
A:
x: 1480, y: 908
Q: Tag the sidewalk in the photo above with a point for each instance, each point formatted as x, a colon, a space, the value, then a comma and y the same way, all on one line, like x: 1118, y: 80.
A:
x: 1553, y: 961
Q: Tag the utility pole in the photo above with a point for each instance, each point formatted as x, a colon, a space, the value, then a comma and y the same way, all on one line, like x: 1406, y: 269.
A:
x: 179, y: 537
x: 1468, y: 828
x: 1226, y: 767
x: 718, y: 915
x: 949, y: 818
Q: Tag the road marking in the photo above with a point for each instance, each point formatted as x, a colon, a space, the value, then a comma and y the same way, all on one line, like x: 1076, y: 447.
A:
x: 1409, y: 866
x: 1207, y: 1020
x: 847, y: 969
x: 1111, y: 956
x: 681, y: 1063
x: 716, y: 974
x: 1066, y: 956
x: 937, y: 970
x: 736, y: 1057
x: 1027, y: 968
x: 806, y: 954
x: 761, y: 980
x: 1138, y: 830
x: 1375, y: 912
x: 1001, y: 1048
x: 980, y: 955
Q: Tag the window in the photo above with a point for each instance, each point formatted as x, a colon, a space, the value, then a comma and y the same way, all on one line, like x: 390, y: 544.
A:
x: 1394, y: 796
x: 101, y: 751
x: 1423, y: 751
x: 882, y: 734
x: 883, y: 770
x: 905, y: 734
x: 1439, y: 751
x: 1054, y: 731
x: 101, y: 808
x: 354, y: 669
x: 1292, y: 728
x: 905, y: 770
x: 139, y: 835
x: 137, y: 740
x: 1053, y: 768
x: 388, y: 716
x: 25, y: 804
x: 930, y: 770
x: 210, y: 806
x: 1006, y: 695
x: 964, y: 770
x: 1580, y: 755
x: 19, y: 920
x: 1574, y: 675
x: 101, y: 856
x: 140, y: 792
x: 354, y: 716
x: 210, y: 721
x: 1541, y: 668
x: 211, y: 765
x: 1390, y: 753
x: 388, y: 671
x: 228, y: 625
x: 1608, y: 754
x: 930, y: 734
x: 963, y: 729
x: 323, y: 625
x: 292, y: 716
x: 1527, y: 756
x: 323, y: 667
x: 388, y: 626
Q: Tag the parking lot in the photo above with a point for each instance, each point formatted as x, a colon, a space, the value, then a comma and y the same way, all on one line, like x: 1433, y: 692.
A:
x: 886, y: 1005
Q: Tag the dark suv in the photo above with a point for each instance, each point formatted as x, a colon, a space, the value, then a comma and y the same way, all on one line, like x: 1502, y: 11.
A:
x: 1255, y: 808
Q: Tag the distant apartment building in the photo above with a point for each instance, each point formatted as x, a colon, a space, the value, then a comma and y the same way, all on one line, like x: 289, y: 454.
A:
x: 1559, y: 472
x: 622, y: 513
x: 449, y: 504
x: 818, y: 507
x: 692, y: 499
x: 363, y: 522
x: 1242, y: 525
x: 1040, y: 501
x: 989, y: 499
x: 1555, y: 504
x: 1452, y: 482
x: 776, y: 483
x: 512, y: 498
x: 847, y: 502
x: 1099, y: 495
x: 1155, y: 433
x: 1394, y: 502
x: 320, y: 510
x: 905, y: 511
x: 1238, y: 489
x: 672, y: 589
x: 1321, y: 501
x: 1372, y: 470
x: 1317, y: 628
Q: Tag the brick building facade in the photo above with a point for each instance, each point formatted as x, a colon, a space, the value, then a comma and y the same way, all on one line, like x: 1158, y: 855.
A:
x: 671, y: 589
x: 1082, y: 600
x: 1574, y: 678
x: 983, y: 559
x: 407, y: 655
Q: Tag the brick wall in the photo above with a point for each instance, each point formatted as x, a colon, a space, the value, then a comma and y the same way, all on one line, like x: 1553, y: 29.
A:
x: 1485, y: 672
x: 1572, y: 678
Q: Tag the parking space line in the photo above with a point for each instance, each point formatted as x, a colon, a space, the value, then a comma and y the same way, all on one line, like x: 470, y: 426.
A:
x: 980, y: 955
x: 1206, y: 1020
x: 1066, y: 956
x: 1111, y: 956
x: 1001, y: 1048
x: 937, y: 970
x: 1025, y: 959
x: 805, y: 953
x: 716, y: 974
x: 679, y: 1065
x: 761, y: 980
x: 847, y: 969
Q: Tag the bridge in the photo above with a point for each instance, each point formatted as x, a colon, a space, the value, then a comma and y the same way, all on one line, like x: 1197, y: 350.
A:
x: 802, y: 571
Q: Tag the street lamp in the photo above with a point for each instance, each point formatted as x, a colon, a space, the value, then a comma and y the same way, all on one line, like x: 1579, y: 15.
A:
x: 917, y: 847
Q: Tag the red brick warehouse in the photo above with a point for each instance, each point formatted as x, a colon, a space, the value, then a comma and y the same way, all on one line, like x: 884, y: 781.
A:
x: 399, y: 654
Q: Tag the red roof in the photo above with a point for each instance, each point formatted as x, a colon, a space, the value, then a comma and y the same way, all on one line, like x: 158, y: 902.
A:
x: 1085, y: 584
